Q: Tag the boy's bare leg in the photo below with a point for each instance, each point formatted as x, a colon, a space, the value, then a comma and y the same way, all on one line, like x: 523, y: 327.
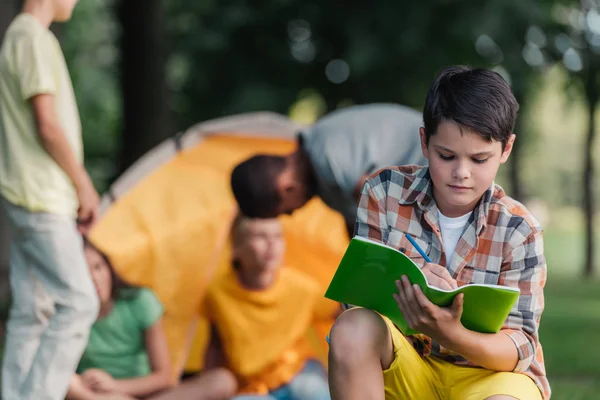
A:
x: 360, y: 349
x: 214, y: 384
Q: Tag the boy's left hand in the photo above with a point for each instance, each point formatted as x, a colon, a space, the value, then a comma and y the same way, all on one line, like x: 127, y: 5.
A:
x: 422, y: 315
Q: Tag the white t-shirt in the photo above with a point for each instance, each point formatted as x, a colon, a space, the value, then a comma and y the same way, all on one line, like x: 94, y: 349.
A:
x: 452, y: 229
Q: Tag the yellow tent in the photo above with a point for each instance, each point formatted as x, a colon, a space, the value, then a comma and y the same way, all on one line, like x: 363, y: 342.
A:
x: 165, y: 223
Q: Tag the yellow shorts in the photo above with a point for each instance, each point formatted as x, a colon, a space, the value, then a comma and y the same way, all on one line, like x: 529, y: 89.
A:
x: 414, y: 377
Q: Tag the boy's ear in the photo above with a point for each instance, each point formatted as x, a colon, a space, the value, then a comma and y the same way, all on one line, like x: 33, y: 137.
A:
x: 507, y: 148
x: 423, y: 142
x: 285, y: 183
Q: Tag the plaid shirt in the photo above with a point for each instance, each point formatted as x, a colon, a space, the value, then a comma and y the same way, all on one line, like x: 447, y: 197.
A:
x: 502, y: 245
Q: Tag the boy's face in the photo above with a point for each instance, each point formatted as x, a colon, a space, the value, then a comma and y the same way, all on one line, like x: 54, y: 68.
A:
x: 260, y: 245
x: 63, y: 9
x: 462, y: 166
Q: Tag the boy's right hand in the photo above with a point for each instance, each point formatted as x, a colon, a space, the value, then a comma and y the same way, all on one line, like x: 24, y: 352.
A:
x: 89, y: 202
x: 438, y: 276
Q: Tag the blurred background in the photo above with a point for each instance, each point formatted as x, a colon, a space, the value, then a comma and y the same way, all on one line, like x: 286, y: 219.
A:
x: 146, y: 70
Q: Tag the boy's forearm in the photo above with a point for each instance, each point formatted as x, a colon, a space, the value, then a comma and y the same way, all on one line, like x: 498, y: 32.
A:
x: 56, y: 145
x: 53, y: 139
x: 493, y: 351
x: 145, y: 385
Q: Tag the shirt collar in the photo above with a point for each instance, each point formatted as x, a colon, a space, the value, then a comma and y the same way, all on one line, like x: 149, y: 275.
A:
x: 421, y: 192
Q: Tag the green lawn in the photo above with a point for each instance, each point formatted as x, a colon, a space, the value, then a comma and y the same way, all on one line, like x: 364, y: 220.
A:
x: 571, y: 321
x: 568, y: 332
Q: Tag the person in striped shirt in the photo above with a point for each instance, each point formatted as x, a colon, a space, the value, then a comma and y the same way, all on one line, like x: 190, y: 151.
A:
x: 473, y: 232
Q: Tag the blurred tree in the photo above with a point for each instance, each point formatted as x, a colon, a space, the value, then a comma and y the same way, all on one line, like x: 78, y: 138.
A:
x: 234, y: 56
x: 8, y: 10
x: 89, y: 41
x: 517, y: 51
x: 502, y: 47
x: 577, y: 46
x: 146, y: 116
x: 263, y: 56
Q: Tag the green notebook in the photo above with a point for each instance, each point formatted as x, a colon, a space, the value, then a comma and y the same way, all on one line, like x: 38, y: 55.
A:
x: 366, y: 277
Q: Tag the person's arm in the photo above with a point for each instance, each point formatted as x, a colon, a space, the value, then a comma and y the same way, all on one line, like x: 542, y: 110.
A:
x: 56, y: 145
x: 496, y: 352
x: 511, y: 349
x: 514, y: 347
x: 160, y: 377
x: 189, y: 342
x: 214, y: 356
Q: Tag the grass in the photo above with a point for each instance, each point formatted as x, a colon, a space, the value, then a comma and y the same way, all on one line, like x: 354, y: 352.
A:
x: 571, y: 321
x: 568, y: 332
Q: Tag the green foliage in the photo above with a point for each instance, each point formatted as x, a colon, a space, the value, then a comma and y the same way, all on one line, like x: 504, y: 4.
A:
x: 235, y: 57
x: 568, y: 331
x: 89, y: 42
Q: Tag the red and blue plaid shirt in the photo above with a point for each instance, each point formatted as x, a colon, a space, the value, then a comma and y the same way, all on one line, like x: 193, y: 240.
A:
x: 501, y: 244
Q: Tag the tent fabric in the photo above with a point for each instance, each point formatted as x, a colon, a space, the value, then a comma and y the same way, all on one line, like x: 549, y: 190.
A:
x: 165, y: 223
x: 257, y: 124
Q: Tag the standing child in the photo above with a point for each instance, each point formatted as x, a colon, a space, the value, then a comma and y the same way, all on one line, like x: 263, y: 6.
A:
x: 260, y: 314
x: 474, y: 233
x: 47, y: 196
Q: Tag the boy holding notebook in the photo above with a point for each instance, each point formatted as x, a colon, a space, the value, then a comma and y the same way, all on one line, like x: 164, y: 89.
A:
x: 473, y: 233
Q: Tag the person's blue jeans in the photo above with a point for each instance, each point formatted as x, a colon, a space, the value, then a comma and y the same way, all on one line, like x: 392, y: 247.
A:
x: 309, y: 384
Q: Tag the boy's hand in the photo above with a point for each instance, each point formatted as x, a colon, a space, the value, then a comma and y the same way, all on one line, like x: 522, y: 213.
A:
x: 99, y: 381
x: 88, y: 205
x: 424, y: 316
x: 438, y: 276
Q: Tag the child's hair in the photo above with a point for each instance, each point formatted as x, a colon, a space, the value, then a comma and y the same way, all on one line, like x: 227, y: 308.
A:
x: 235, y: 234
x: 479, y: 100
x: 120, y: 288
x: 253, y: 185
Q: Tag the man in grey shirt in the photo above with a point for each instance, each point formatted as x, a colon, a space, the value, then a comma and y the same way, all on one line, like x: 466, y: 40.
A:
x: 334, y: 157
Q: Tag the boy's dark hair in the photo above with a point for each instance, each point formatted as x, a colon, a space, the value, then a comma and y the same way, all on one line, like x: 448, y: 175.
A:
x: 120, y: 288
x: 254, y: 185
x: 476, y: 99
x: 234, y: 235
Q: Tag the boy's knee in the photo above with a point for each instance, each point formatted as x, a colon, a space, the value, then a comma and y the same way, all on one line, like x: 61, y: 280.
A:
x: 358, y: 333
x: 224, y: 384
